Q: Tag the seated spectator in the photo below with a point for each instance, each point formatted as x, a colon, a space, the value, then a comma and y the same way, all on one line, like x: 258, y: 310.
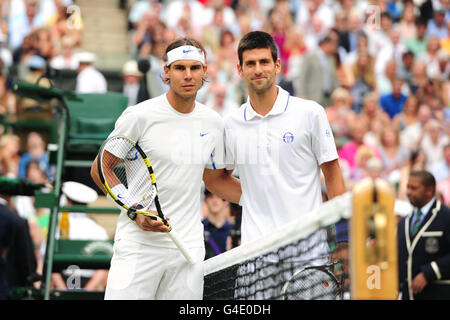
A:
x: 365, y: 81
x: 23, y: 21
x: 226, y: 54
x: 66, y: 59
x: 340, y: 115
x: 430, y: 58
x: 217, y: 227
x: 393, y: 155
x: 385, y: 80
x: 131, y: 81
x: 375, y: 117
x: 89, y: 79
x: 65, y: 21
x: 358, y: 129
x: 441, y: 169
x: 7, y: 97
x: 211, y: 34
x: 220, y: 101
x: 142, y: 37
x: 443, y: 188
x: 36, y: 150
x: 409, y: 115
x: 432, y: 142
x: 405, y: 71
x: 418, y: 44
x: 419, y: 79
x: 360, y: 170
x: 410, y: 135
x: 30, y: 108
x: 392, y: 51
x: 393, y: 103
x: 9, y: 155
x: 45, y: 43
x: 138, y: 10
x: 407, y: 23
x: 436, y: 26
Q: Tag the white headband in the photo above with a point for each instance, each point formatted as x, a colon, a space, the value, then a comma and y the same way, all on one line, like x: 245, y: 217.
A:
x: 185, y: 53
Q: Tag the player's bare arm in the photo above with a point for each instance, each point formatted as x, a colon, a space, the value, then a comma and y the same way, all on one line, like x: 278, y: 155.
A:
x: 333, y: 178
x: 223, y: 184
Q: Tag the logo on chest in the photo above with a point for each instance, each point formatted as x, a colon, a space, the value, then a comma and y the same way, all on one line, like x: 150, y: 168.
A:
x: 288, y: 138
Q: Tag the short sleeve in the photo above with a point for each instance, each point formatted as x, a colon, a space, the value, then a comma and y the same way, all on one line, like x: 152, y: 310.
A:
x: 229, y: 148
x: 127, y: 125
x: 323, y: 144
x: 217, y: 158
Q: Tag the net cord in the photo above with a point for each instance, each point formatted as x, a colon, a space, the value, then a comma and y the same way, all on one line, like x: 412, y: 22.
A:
x: 327, y: 214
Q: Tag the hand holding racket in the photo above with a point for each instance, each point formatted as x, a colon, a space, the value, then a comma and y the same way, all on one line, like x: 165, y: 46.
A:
x: 128, y: 178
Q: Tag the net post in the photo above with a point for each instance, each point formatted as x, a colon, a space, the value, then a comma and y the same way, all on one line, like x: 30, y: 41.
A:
x: 373, y: 242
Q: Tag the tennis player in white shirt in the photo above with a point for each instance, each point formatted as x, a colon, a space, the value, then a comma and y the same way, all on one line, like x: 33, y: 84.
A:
x: 279, y: 145
x: 184, y: 141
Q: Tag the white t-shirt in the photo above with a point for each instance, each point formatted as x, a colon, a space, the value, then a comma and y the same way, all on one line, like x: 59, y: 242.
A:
x: 179, y: 147
x: 277, y: 157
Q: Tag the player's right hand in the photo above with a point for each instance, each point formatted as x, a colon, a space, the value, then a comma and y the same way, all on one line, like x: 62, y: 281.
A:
x: 148, y: 224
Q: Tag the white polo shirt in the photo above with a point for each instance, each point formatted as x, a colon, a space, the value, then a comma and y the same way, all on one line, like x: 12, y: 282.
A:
x: 277, y: 158
x: 179, y: 146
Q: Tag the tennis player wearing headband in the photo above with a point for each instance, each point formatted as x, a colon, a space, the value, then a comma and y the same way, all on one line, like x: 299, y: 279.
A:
x: 184, y: 141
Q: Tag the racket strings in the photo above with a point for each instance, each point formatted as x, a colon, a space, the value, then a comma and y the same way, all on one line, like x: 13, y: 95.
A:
x: 123, y: 165
x: 312, y: 284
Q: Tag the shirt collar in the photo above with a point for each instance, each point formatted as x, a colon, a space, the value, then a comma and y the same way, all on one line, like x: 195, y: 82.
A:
x: 427, y: 207
x: 280, y: 106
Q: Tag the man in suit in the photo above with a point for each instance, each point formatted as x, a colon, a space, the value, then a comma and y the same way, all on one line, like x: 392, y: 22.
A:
x: 317, y: 78
x: 424, y: 242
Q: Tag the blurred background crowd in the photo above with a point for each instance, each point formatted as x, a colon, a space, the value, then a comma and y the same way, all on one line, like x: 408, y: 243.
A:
x: 380, y: 68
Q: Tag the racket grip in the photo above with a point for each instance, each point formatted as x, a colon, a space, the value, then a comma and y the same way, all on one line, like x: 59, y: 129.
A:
x: 174, y: 236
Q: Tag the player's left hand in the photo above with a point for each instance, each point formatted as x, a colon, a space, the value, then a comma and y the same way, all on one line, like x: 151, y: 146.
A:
x: 418, y: 283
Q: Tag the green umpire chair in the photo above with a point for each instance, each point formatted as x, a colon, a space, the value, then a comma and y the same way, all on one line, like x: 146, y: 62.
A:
x: 80, y: 123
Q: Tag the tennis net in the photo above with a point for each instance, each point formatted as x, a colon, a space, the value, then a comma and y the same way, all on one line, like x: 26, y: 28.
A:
x: 294, y: 262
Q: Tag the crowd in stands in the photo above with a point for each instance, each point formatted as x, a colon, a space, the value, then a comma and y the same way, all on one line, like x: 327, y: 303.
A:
x: 380, y: 68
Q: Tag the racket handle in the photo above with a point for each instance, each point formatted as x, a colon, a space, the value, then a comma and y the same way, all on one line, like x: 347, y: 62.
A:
x: 174, y: 236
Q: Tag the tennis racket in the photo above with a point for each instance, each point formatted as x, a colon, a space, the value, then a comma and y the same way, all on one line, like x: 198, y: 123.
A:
x: 312, y: 283
x: 128, y: 178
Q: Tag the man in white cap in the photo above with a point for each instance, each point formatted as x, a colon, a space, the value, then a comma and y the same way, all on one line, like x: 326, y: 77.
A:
x: 184, y: 142
x: 80, y: 227
x: 131, y: 81
x: 30, y: 108
x: 89, y: 79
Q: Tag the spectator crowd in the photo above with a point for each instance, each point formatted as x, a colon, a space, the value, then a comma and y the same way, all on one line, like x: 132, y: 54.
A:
x: 380, y: 68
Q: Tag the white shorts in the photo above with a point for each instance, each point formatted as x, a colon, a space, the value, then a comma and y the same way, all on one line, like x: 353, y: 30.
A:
x: 143, y: 272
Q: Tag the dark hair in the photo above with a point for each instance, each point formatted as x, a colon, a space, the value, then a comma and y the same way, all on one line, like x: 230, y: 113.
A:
x: 421, y: 21
x: 182, y: 42
x: 425, y: 177
x: 257, y: 40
